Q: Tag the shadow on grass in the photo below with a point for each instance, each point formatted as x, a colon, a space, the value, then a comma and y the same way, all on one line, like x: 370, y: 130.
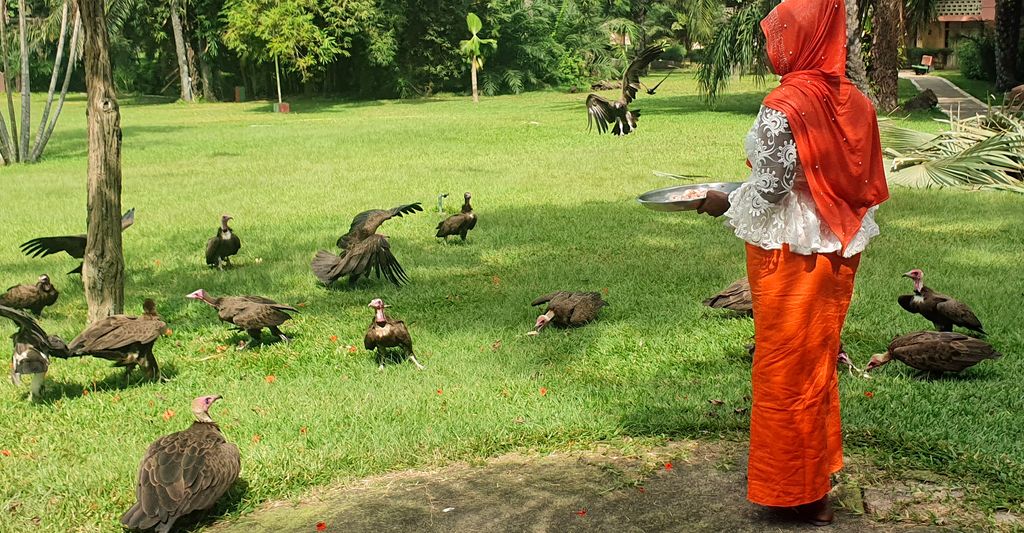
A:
x: 115, y: 380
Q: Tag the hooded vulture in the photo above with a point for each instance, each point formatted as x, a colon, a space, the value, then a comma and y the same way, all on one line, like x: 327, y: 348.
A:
x: 249, y: 313
x: 126, y: 340
x: 568, y: 309
x: 31, y: 297
x: 33, y: 349
x: 385, y: 332
x: 935, y: 351
x: 736, y: 297
x: 943, y: 311
x: 459, y: 224
x: 223, y: 245
x: 73, y: 245
x: 364, y: 251
x: 617, y: 113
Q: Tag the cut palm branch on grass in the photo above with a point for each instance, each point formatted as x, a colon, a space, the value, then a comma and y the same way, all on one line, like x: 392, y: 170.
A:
x: 661, y: 174
x: 983, y: 152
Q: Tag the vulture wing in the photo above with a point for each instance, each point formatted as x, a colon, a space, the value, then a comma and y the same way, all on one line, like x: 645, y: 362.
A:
x: 959, y: 313
x: 213, y: 249
x: 366, y: 223
x: 116, y: 333
x: 906, y: 301
x: 585, y: 307
x: 735, y: 297
x: 547, y: 298
x: 25, y: 324
x: 20, y: 296
x: 455, y: 224
x: 941, y: 351
x: 372, y: 254
x: 181, y: 473
x: 73, y: 245
x: 600, y: 111
x: 255, y: 316
x: 631, y: 79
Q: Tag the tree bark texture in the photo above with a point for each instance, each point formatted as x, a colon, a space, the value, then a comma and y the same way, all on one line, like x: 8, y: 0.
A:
x: 103, y: 273
x: 12, y: 141
x: 855, y: 69
x: 26, y: 92
x: 887, y: 29
x: 206, y: 73
x: 179, y: 48
x: 476, y: 95
x: 34, y: 155
x: 1008, y: 14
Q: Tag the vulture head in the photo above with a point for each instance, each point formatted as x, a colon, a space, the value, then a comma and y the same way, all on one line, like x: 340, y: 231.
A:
x: 918, y: 276
x: 543, y: 320
x: 201, y: 407
x: 34, y: 363
x: 467, y: 196
x: 44, y: 281
x: 224, y: 221
x: 199, y: 295
x: 379, y: 306
x: 128, y: 219
x: 878, y: 360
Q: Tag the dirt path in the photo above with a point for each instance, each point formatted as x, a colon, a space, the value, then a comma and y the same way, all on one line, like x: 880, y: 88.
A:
x: 684, y: 486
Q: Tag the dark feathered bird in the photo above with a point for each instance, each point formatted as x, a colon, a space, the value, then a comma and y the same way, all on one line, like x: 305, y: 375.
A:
x: 364, y: 251
x: 617, y: 113
x: 943, y: 311
x: 936, y: 351
x: 736, y: 297
x: 652, y: 90
x: 33, y: 349
x: 31, y: 297
x: 385, y: 332
x: 126, y: 340
x: 223, y: 245
x: 568, y: 309
x: 459, y: 224
x: 249, y: 313
x: 73, y: 245
x: 183, y: 473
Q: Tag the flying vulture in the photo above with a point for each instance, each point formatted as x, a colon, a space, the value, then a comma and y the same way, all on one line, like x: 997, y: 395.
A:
x: 459, y: 224
x: 604, y: 112
x: 31, y: 297
x: 223, y: 245
x: 73, y: 245
x: 33, y: 349
x: 568, y: 309
x: 943, y: 311
x: 249, y: 313
x: 385, y: 332
x: 935, y: 351
x: 364, y: 251
x: 183, y: 473
x: 125, y: 340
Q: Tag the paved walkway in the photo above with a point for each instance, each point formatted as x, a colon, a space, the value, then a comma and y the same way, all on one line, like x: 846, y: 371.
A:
x: 953, y: 101
x: 689, y: 486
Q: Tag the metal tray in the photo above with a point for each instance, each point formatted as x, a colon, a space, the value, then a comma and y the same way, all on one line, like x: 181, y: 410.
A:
x: 671, y: 198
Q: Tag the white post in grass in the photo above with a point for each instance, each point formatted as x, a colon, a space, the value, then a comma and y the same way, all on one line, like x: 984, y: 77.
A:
x: 277, y: 75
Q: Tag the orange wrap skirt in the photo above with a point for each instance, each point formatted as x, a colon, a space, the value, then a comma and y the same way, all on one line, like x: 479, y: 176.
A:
x: 800, y: 304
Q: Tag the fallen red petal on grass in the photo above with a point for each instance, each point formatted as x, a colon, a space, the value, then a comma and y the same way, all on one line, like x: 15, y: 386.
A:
x: 581, y: 513
x: 85, y: 392
x: 221, y: 348
x: 641, y: 490
x: 543, y: 391
x: 302, y: 430
x: 256, y: 438
x: 271, y: 378
x: 116, y: 398
x: 168, y: 414
x: 668, y: 466
x: 496, y: 281
x: 605, y: 291
x: 869, y: 394
x: 5, y: 453
x: 440, y: 391
x: 321, y: 526
x: 352, y: 349
x: 168, y: 332
x: 334, y: 338
x: 156, y: 262
x: 300, y: 304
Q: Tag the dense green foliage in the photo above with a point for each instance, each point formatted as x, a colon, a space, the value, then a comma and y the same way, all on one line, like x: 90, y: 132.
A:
x: 976, y: 57
x: 557, y: 210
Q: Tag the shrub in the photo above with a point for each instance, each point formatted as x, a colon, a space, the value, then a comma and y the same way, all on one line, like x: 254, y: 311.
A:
x: 941, y: 56
x: 976, y: 57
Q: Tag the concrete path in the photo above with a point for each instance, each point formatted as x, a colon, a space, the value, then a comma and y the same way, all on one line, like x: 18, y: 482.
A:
x: 953, y: 101
x: 691, y: 486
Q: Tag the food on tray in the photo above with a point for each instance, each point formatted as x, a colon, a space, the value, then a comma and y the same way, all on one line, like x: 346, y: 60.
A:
x: 690, y: 194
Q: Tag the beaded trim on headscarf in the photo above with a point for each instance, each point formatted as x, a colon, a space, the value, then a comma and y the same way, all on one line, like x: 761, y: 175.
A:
x: 775, y: 45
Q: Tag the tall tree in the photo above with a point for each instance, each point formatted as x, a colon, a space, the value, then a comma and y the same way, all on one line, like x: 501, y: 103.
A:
x: 1008, y: 21
x: 46, y: 126
x: 473, y: 49
x: 887, y: 31
x: 26, y: 93
x: 10, y: 142
x: 103, y: 271
x: 855, y: 69
x: 179, y: 48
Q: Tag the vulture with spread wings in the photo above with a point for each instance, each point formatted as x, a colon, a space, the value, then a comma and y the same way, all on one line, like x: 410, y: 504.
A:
x: 617, y: 113
x: 73, y: 245
x: 364, y: 251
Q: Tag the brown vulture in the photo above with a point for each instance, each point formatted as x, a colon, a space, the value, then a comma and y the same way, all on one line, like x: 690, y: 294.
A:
x: 223, y: 245
x: 249, y: 313
x: 943, y: 311
x: 385, y: 332
x: 459, y: 224
x: 603, y: 112
x: 73, y: 245
x: 33, y: 349
x: 568, y: 309
x: 935, y: 351
x: 736, y: 297
x: 364, y: 251
x: 31, y: 297
x: 183, y: 473
x: 126, y: 340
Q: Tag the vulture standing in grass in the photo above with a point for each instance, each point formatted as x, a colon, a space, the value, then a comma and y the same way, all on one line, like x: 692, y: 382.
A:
x: 223, y: 245
x: 459, y: 224
x: 385, y: 332
x: 73, y: 245
x: 126, y: 340
x: 936, y: 351
x: 31, y: 297
x: 568, y: 309
x: 183, y: 473
x: 943, y: 311
x: 364, y: 251
x: 33, y: 349
x: 617, y: 113
x: 249, y: 313
x: 736, y: 297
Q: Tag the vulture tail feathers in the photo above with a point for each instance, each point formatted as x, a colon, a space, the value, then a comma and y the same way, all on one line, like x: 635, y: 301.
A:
x: 325, y: 267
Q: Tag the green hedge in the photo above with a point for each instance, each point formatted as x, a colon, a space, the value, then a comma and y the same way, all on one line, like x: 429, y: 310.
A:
x: 976, y: 58
x: 940, y: 55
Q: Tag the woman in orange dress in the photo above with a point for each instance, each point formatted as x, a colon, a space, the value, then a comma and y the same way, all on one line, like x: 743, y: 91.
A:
x: 806, y: 214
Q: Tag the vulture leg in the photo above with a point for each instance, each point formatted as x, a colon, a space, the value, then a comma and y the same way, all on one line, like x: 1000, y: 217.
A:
x: 227, y: 261
x: 149, y: 364
x: 257, y: 338
x: 220, y: 264
x: 380, y: 359
x: 463, y: 235
x: 415, y: 362
x: 943, y: 326
x: 277, y: 333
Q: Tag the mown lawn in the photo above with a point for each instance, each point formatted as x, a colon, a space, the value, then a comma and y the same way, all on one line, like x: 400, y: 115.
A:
x: 557, y: 211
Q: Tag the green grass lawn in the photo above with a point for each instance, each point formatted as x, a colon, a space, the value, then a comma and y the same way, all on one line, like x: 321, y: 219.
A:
x: 981, y: 89
x: 557, y: 211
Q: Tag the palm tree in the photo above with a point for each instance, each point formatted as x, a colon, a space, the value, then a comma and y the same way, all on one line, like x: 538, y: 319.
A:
x: 886, y: 29
x: 472, y: 48
x: 1008, y: 15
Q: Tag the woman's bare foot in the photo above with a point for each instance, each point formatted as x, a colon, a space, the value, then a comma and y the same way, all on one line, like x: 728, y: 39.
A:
x: 817, y: 513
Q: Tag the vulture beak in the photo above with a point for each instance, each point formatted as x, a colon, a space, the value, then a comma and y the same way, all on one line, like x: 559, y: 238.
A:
x: 128, y: 219
x: 907, y: 275
x: 197, y: 295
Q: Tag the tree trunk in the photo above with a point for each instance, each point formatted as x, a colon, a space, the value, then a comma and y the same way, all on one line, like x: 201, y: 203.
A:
x: 885, y: 53
x: 206, y: 73
x: 34, y: 155
x: 476, y: 95
x: 103, y: 273
x: 855, y: 69
x: 12, y: 141
x: 1008, y: 13
x: 277, y: 76
x: 41, y: 145
x: 26, y: 90
x: 179, y: 48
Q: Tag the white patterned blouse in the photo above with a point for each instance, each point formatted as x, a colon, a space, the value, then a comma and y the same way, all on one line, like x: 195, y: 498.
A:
x: 775, y: 206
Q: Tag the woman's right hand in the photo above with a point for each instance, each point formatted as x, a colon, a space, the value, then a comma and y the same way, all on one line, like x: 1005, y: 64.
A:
x: 716, y: 203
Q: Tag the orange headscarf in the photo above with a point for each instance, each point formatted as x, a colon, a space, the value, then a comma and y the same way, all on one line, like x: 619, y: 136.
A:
x: 833, y: 123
